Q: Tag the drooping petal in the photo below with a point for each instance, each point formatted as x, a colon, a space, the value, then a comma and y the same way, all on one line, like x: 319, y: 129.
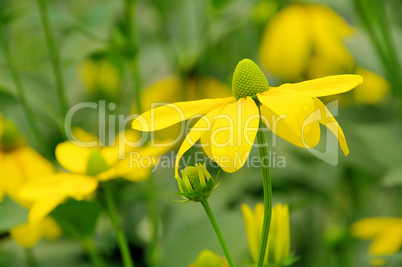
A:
x: 369, y: 228
x: 41, y: 208
x: 291, y: 117
x: 204, y: 124
x: 50, y: 229
x: 286, y: 43
x: 72, y: 157
x: 165, y: 116
x: 325, y: 86
x: 233, y: 133
x: 26, y: 235
x: 387, y: 243
x: 330, y: 122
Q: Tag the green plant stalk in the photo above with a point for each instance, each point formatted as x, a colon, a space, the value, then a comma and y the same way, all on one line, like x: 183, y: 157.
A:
x: 132, y: 45
x: 32, y: 121
x: 87, y: 242
x: 152, y: 253
x: 89, y: 246
x: 373, y: 17
x: 30, y: 258
x: 121, y: 239
x: 266, y: 179
x: 394, y: 66
x: 54, y: 56
x: 218, y: 232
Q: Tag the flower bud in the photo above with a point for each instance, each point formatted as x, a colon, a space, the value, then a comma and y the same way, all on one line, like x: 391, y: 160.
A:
x: 196, y: 183
x: 209, y: 259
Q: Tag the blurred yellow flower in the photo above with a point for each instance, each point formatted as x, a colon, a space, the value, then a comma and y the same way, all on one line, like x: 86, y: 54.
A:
x: 18, y: 162
x: 228, y: 126
x: 20, y: 165
x: 87, y: 166
x: 374, y: 89
x: 100, y: 77
x: 279, y: 234
x: 209, y: 259
x: 386, y: 233
x: 304, y: 41
x: 28, y: 235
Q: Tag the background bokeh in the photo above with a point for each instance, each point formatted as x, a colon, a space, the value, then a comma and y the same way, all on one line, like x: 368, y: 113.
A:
x: 186, y: 50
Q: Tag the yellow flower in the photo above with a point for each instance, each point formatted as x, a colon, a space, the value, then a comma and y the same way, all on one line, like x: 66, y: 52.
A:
x: 20, y: 165
x: 228, y: 126
x: 18, y: 162
x: 374, y: 90
x: 279, y: 234
x: 209, y: 259
x: 305, y: 42
x: 100, y: 77
x: 386, y: 233
x: 28, y: 235
x: 87, y: 166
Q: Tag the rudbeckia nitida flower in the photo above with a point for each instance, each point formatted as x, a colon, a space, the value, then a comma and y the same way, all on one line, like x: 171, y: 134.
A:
x: 19, y: 165
x: 385, y: 233
x: 279, y: 233
x: 28, y: 235
x: 87, y: 166
x: 228, y: 126
x: 305, y: 41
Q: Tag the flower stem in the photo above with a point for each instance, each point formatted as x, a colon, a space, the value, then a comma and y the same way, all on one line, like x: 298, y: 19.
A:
x: 32, y: 121
x: 121, y: 239
x: 152, y: 252
x: 54, y: 56
x: 89, y: 246
x: 30, y: 258
x: 266, y: 179
x: 218, y: 232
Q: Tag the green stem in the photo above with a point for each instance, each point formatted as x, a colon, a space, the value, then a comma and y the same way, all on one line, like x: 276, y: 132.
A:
x: 266, y: 179
x: 89, y: 246
x: 87, y: 243
x: 152, y: 253
x: 218, y: 232
x: 121, y: 239
x: 132, y: 48
x: 30, y: 258
x: 32, y: 121
x: 54, y: 55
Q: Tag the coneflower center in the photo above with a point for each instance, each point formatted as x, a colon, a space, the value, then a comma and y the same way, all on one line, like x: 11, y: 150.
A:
x: 248, y: 80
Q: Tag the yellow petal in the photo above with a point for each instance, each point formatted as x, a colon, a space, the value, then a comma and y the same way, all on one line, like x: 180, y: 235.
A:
x: 286, y: 45
x: 204, y: 124
x: 48, y: 192
x: 73, y: 158
x: 50, y: 229
x: 325, y: 86
x: 26, y: 235
x: 165, y: 116
x: 292, y: 117
x: 374, y: 89
x: 253, y: 234
x: 387, y: 243
x: 19, y: 167
x: 329, y: 121
x: 369, y: 228
x: 233, y: 133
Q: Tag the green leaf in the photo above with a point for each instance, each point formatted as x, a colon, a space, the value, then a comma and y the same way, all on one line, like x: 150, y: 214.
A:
x: 12, y: 214
x: 78, y: 218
